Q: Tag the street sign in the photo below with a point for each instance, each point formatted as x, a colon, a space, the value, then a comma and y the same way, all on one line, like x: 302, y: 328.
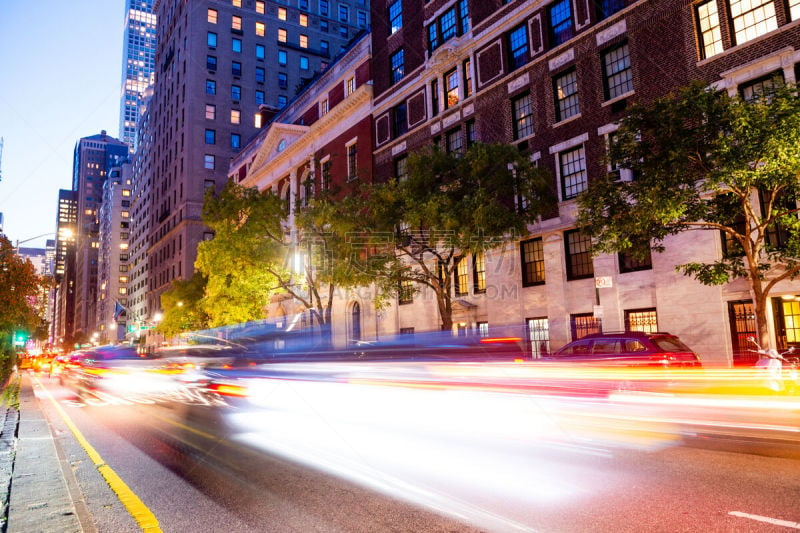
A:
x: 603, y: 282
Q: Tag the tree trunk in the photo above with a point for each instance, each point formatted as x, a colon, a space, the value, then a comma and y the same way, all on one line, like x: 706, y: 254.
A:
x: 760, y: 309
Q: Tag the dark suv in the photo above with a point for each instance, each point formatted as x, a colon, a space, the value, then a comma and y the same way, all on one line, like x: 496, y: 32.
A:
x: 625, y: 348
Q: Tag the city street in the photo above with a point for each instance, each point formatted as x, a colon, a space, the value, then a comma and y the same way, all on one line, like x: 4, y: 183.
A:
x: 432, y: 479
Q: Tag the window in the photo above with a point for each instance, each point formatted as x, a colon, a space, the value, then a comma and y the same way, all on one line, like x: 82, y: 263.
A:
x: 282, y: 58
x: 565, y: 91
x: 212, y: 16
x: 236, y: 92
x: 539, y: 337
x: 209, y: 185
x: 401, y: 168
x: 323, y: 26
x: 617, y: 75
x: 283, y: 80
x: 211, y: 136
x: 752, y: 18
x: 532, y: 255
x: 211, y: 87
x: 578, y: 255
x: 463, y: 12
x: 572, y: 164
x: 282, y: 101
x: 304, y: 20
x: 606, y: 8
x: 761, y: 87
x: 323, y: 7
x: 518, y: 47
x: 397, y: 66
x: 434, y: 98
x: 344, y: 13
x: 460, y: 276
x: 208, y: 161
x: 326, y: 175
x: 395, y: 16
x: 281, y: 35
x: 433, y: 37
x: 236, y: 23
x: 211, y: 39
x: 211, y: 63
x: 582, y: 324
x: 236, y: 45
x: 343, y: 33
x: 324, y: 48
x: 211, y: 111
x: 303, y: 63
x: 260, y: 53
x: 257, y: 120
x: 350, y: 86
x: 479, y: 273
x: 454, y: 142
x: 472, y: 135
x: 451, y: 88
x: 281, y: 13
x: 561, y: 28
x: 522, y: 115
x: 302, y: 4
x: 708, y: 29
x: 236, y: 116
x: 259, y: 7
x: 236, y: 3
x: 467, y: 79
x: 260, y: 29
x: 324, y: 106
x: 236, y: 68
x: 260, y: 75
x: 351, y: 162
x: 641, y: 320
x: 399, y: 120
x: 629, y: 263
x: 236, y: 140
x: 123, y: 268
x: 448, y: 25
x: 794, y: 9
x: 405, y: 292
x: 259, y: 97
x: 361, y: 19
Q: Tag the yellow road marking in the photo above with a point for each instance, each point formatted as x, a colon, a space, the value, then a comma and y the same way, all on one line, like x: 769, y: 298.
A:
x: 137, y: 509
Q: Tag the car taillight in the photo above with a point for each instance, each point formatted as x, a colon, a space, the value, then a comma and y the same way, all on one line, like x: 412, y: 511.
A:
x: 499, y: 340
x: 228, y: 389
x: 675, y: 358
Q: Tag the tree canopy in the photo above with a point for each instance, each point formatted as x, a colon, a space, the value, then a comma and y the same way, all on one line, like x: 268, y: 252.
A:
x: 449, y: 206
x: 183, y: 306
x: 704, y: 160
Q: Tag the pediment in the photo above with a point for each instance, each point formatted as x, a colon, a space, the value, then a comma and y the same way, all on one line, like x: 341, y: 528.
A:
x: 276, y: 144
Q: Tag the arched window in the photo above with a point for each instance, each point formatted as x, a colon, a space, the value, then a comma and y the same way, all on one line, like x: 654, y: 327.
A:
x: 355, y: 322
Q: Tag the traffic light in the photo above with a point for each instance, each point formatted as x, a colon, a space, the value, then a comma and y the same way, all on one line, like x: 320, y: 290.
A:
x: 20, y: 338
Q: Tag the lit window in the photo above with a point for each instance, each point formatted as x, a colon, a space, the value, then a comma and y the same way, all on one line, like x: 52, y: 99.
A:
x: 460, y: 277
x: 126, y: 192
x: 617, y: 74
x: 303, y: 41
x: 257, y: 120
x: 236, y: 23
x: 208, y: 161
x: 236, y: 3
x: 123, y: 290
x: 260, y: 6
x: 523, y: 116
x: 281, y: 13
x: 211, y: 112
x: 235, y: 116
x: 572, y: 164
x: 260, y: 29
x: 479, y: 273
x: 212, y: 16
x: 565, y: 90
x: 304, y: 20
x: 752, y: 18
x: 281, y: 35
x: 398, y: 65
x: 125, y: 214
x: 123, y: 246
x: 794, y: 9
x: 709, y: 28
x: 395, y: 16
x: 451, y: 88
x: 123, y: 279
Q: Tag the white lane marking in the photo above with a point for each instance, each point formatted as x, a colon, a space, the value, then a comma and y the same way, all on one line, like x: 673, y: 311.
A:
x: 776, y: 521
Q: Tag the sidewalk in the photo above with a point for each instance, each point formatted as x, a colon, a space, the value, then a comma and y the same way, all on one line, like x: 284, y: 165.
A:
x: 32, y: 481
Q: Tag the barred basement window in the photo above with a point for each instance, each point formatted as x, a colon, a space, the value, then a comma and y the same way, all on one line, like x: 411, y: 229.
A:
x: 641, y: 320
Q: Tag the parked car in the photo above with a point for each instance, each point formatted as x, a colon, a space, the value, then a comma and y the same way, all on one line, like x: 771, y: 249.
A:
x: 628, y: 348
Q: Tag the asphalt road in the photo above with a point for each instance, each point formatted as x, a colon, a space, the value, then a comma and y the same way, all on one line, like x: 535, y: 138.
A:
x: 515, y: 485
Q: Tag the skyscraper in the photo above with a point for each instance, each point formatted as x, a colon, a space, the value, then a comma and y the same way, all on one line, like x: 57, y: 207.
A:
x: 138, y: 60
x: 94, y: 157
x: 218, y: 62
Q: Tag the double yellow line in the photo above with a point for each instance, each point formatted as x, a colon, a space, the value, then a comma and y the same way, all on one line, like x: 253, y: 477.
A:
x: 138, y: 510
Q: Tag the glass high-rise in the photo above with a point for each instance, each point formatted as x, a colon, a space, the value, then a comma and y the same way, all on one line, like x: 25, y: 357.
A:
x: 138, y: 60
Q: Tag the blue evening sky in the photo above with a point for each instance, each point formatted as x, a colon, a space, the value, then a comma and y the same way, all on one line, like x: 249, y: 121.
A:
x: 60, y: 75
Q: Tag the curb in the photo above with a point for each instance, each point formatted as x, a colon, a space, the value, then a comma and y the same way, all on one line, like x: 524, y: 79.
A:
x: 39, y: 498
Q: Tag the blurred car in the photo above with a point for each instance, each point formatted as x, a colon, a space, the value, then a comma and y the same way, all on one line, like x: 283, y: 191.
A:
x: 117, y: 369
x: 628, y: 348
x: 185, y: 362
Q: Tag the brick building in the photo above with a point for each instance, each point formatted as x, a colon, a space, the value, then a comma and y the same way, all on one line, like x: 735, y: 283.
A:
x: 554, y: 78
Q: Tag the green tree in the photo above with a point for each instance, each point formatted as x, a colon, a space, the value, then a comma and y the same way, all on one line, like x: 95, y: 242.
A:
x: 703, y: 160
x: 450, y: 206
x: 183, y: 306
